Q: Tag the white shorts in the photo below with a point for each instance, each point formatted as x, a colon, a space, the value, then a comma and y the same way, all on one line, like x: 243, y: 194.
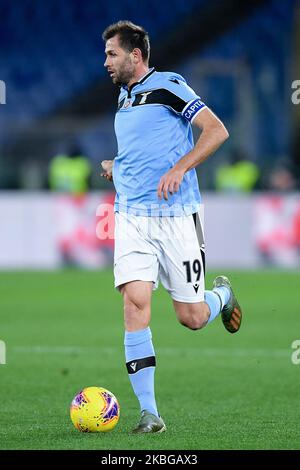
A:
x: 169, y: 249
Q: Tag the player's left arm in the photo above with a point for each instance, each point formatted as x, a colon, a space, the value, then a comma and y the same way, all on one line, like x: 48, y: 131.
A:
x: 213, y: 134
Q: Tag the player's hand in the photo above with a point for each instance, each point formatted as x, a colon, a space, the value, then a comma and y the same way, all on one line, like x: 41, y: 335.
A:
x: 107, y: 166
x: 170, y: 183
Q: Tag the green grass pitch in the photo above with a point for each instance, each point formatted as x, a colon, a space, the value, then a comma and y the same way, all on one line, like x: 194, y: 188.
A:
x: 64, y: 331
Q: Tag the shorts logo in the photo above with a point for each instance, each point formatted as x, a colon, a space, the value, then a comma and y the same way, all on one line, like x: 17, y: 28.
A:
x: 133, y: 366
x: 196, y: 287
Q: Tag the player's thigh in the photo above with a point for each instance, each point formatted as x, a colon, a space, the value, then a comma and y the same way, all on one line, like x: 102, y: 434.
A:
x: 134, y: 256
x: 182, y: 261
x: 137, y: 304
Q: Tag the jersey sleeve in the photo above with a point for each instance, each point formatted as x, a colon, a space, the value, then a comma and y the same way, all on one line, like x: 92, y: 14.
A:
x: 188, y: 103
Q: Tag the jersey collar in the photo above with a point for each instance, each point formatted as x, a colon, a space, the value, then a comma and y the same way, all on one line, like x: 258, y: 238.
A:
x: 145, y: 77
x: 141, y: 80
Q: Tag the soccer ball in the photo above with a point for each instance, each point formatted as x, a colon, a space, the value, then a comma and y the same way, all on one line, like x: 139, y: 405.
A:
x: 94, y: 409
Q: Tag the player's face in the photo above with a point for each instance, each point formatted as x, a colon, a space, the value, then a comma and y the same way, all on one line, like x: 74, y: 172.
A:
x: 119, y: 62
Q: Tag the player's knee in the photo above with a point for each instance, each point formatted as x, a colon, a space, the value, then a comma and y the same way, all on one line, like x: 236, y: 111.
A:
x: 136, y: 297
x: 132, y: 305
x: 194, y: 322
x: 136, y: 311
x: 194, y: 317
x: 135, y: 318
x: 131, y: 308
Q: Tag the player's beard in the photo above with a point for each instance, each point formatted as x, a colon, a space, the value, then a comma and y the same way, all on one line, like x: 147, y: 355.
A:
x: 125, y: 73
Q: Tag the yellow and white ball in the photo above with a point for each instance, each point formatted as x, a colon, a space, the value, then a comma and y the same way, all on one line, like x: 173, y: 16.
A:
x: 95, y: 409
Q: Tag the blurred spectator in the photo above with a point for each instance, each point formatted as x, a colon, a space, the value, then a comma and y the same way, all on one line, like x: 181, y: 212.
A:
x: 238, y: 175
x: 76, y: 235
x: 282, y: 179
x: 70, y: 172
x: 277, y: 229
x: 277, y: 218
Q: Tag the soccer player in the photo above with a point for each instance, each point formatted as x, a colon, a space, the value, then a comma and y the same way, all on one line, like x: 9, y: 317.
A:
x: 158, y: 228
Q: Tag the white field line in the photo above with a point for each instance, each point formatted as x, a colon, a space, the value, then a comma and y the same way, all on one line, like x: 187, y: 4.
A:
x: 232, y: 352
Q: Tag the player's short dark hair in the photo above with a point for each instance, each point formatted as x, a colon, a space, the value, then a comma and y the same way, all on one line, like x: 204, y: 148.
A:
x: 130, y: 37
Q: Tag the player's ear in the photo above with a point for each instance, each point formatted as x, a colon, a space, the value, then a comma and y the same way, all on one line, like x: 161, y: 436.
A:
x: 137, y: 55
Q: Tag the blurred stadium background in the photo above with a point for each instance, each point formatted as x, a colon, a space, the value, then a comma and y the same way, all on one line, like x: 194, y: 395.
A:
x: 56, y: 125
x: 59, y: 101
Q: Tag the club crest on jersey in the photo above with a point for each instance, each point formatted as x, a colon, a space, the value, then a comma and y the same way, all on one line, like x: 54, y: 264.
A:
x: 127, y: 104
